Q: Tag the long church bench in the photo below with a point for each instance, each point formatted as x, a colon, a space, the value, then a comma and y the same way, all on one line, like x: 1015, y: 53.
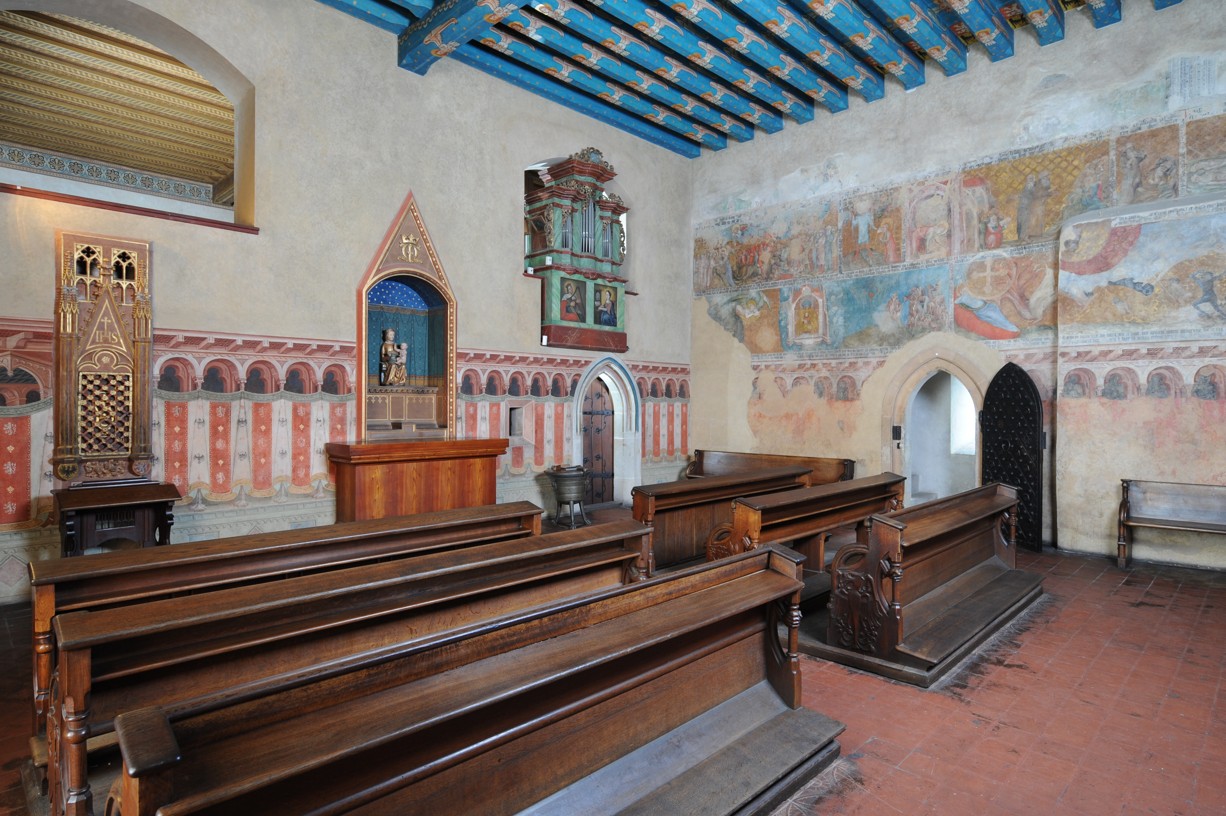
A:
x: 1193, y: 508
x: 822, y: 469
x: 922, y: 587
x: 677, y: 694
x: 130, y: 576
x: 196, y: 653
x: 804, y: 519
x: 683, y: 513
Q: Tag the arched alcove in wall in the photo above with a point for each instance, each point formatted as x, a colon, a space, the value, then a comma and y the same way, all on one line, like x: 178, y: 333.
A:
x: 626, y: 424
x: 188, y: 48
x: 898, y: 399
x: 406, y: 337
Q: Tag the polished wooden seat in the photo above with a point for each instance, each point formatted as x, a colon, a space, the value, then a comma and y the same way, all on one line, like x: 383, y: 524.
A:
x: 1195, y: 508
x: 822, y: 470
x: 116, y: 578
x: 516, y: 713
x: 921, y: 588
x: 804, y: 519
x: 683, y: 513
x: 194, y: 654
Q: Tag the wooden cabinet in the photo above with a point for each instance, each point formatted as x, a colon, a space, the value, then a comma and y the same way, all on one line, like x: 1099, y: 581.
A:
x: 381, y: 479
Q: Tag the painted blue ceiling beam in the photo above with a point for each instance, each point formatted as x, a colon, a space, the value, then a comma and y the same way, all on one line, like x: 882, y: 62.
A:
x: 929, y: 36
x: 631, y: 47
x: 987, y: 25
x: 448, y: 26
x: 559, y: 93
x: 512, y: 47
x: 664, y: 30
x: 1105, y: 12
x: 417, y: 8
x: 1046, y: 18
x: 807, y: 38
x: 732, y: 31
x: 597, y: 59
x: 856, y: 26
x: 375, y: 13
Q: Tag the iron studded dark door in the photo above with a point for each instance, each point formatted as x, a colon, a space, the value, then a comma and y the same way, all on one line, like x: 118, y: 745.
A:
x: 598, y: 443
x: 1012, y: 425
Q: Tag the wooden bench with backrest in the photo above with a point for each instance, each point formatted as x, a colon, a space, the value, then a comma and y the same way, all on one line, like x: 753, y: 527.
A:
x: 922, y: 587
x: 673, y: 695
x: 194, y: 653
x: 683, y: 513
x: 131, y: 576
x: 804, y: 519
x: 823, y: 470
x: 1197, y: 508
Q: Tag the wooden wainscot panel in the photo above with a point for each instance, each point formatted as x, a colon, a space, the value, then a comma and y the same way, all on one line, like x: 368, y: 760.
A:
x: 381, y: 479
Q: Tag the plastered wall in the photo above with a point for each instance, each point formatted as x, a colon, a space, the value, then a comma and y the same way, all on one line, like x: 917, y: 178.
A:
x: 838, y: 264
x: 340, y: 135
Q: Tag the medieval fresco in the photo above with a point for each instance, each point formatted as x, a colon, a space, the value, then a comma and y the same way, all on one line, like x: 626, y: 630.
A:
x: 872, y: 229
x: 1206, y: 155
x: 1026, y: 198
x: 763, y: 246
x: 1147, y: 166
x: 1006, y: 295
x: 929, y: 222
x: 1168, y: 275
x: 886, y: 311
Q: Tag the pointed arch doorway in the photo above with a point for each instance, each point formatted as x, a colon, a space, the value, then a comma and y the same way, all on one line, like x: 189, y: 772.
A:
x: 924, y: 400
x: 606, y: 431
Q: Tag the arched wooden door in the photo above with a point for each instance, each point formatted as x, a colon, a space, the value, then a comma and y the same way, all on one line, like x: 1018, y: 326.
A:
x: 1012, y: 426
x: 598, y: 437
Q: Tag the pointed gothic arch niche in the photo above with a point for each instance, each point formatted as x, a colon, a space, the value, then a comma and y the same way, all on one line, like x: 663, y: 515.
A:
x: 627, y: 427
x: 899, y: 399
x: 406, y: 382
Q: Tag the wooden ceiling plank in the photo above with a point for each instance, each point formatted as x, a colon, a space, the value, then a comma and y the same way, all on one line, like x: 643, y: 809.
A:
x: 924, y: 29
x: 446, y: 28
x: 511, y: 46
x: 987, y: 25
x: 807, y: 38
x: 676, y: 69
x: 77, y: 80
x: 751, y: 43
x: 556, y: 91
x: 662, y: 28
x: 1105, y: 12
x: 373, y: 12
x: 135, y: 145
x: 599, y: 60
x: 29, y: 55
x: 857, y: 27
x: 72, y: 146
x: 92, y: 107
x: 124, y: 62
x: 1046, y: 18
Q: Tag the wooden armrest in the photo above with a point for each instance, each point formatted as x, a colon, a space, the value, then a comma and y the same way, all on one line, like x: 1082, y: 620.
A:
x: 147, y: 741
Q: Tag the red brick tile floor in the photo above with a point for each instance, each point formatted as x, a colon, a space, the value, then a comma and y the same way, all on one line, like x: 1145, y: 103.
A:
x: 1106, y: 698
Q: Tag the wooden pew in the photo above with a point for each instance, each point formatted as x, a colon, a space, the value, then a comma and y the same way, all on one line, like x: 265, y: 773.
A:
x: 804, y: 519
x: 195, y: 653
x: 1195, y: 508
x: 683, y: 513
x: 675, y: 695
x: 921, y: 588
x: 824, y: 470
x: 130, y: 576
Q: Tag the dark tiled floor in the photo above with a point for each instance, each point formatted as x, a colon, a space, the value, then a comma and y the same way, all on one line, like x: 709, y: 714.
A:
x: 1107, y: 699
